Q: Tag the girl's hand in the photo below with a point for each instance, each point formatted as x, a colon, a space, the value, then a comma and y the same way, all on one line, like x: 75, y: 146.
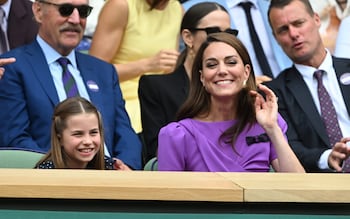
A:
x: 119, y: 165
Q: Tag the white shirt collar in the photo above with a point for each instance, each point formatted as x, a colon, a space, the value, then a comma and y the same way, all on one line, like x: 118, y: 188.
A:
x: 308, y: 71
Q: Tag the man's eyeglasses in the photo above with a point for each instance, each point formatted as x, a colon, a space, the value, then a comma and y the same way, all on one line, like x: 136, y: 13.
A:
x: 67, y: 9
x: 210, y: 30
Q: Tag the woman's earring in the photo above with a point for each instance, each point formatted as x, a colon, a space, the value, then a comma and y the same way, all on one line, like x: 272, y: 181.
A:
x: 244, y: 83
x: 191, y: 51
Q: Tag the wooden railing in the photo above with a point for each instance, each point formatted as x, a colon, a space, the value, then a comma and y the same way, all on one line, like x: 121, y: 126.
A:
x: 174, y: 186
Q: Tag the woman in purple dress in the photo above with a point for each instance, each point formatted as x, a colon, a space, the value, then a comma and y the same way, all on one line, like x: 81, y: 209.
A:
x: 225, y: 125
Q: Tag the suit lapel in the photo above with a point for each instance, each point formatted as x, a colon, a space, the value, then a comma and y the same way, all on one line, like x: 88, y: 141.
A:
x: 341, y: 67
x: 301, y: 93
x: 17, y: 11
x: 41, y: 71
x: 90, y: 79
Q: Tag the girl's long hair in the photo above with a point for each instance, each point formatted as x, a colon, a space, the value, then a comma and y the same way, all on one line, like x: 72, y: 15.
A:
x: 64, y: 110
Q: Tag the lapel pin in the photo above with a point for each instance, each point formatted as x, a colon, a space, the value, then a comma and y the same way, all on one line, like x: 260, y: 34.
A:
x: 92, y: 86
x: 345, y: 78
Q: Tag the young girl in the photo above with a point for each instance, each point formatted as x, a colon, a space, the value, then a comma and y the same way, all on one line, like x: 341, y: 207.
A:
x: 76, y: 138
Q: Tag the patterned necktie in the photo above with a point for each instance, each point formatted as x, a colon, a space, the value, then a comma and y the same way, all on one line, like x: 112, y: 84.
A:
x: 328, y: 112
x: 259, y: 51
x: 329, y: 116
x: 68, y: 81
x: 4, y: 47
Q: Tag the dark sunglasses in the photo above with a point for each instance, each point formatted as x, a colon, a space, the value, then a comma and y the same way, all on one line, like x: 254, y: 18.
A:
x: 210, y: 30
x: 67, y: 9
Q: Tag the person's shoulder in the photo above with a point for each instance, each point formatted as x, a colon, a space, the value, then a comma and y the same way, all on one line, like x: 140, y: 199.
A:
x: 281, y: 79
x: 178, y: 130
x: 186, y: 125
x: 151, y: 78
x: 19, y: 52
x: 341, y: 66
x: 118, y: 4
x: 174, y: 4
x: 150, y: 82
x: 162, y: 80
x: 340, y: 60
x: 20, y: 3
x: 177, y: 125
x: 157, y: 78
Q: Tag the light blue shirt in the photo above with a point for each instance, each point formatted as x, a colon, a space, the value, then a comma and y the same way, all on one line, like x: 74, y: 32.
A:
x: 51, y: 56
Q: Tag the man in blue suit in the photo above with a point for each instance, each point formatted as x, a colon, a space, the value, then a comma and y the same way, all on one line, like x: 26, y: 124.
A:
x: 32, y: 86
x: 277, y: 59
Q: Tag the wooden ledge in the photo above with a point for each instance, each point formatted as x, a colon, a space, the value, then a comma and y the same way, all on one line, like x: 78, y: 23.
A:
x: 117, y: 185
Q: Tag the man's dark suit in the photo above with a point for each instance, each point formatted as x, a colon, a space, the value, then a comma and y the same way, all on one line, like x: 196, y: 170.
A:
x: 160, y: 98
x: 28, y: 97
x: 21, y: 27
x: 306, y: 133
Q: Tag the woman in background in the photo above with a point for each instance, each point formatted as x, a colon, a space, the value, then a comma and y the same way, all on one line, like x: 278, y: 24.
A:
x: 138, y: 37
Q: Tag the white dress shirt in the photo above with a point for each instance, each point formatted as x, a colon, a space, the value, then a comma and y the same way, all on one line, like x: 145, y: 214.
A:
x: 331, y: 84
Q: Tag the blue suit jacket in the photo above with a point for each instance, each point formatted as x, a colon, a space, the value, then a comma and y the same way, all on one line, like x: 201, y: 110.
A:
x: 281, y: 58
x: 28, y: 97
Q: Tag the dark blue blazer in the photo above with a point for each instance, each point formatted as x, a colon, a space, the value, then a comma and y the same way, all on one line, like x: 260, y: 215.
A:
x: 28, y: 97
x: 306, y: 132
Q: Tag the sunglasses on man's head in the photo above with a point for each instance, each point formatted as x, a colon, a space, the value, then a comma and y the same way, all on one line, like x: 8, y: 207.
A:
x: 210, y: 30
x: 67, y: 9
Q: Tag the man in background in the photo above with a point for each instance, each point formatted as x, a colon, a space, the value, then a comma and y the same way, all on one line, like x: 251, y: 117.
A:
x: 18, y: 26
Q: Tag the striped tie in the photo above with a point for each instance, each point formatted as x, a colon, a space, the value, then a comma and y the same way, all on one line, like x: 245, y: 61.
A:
x: 68, y: 81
